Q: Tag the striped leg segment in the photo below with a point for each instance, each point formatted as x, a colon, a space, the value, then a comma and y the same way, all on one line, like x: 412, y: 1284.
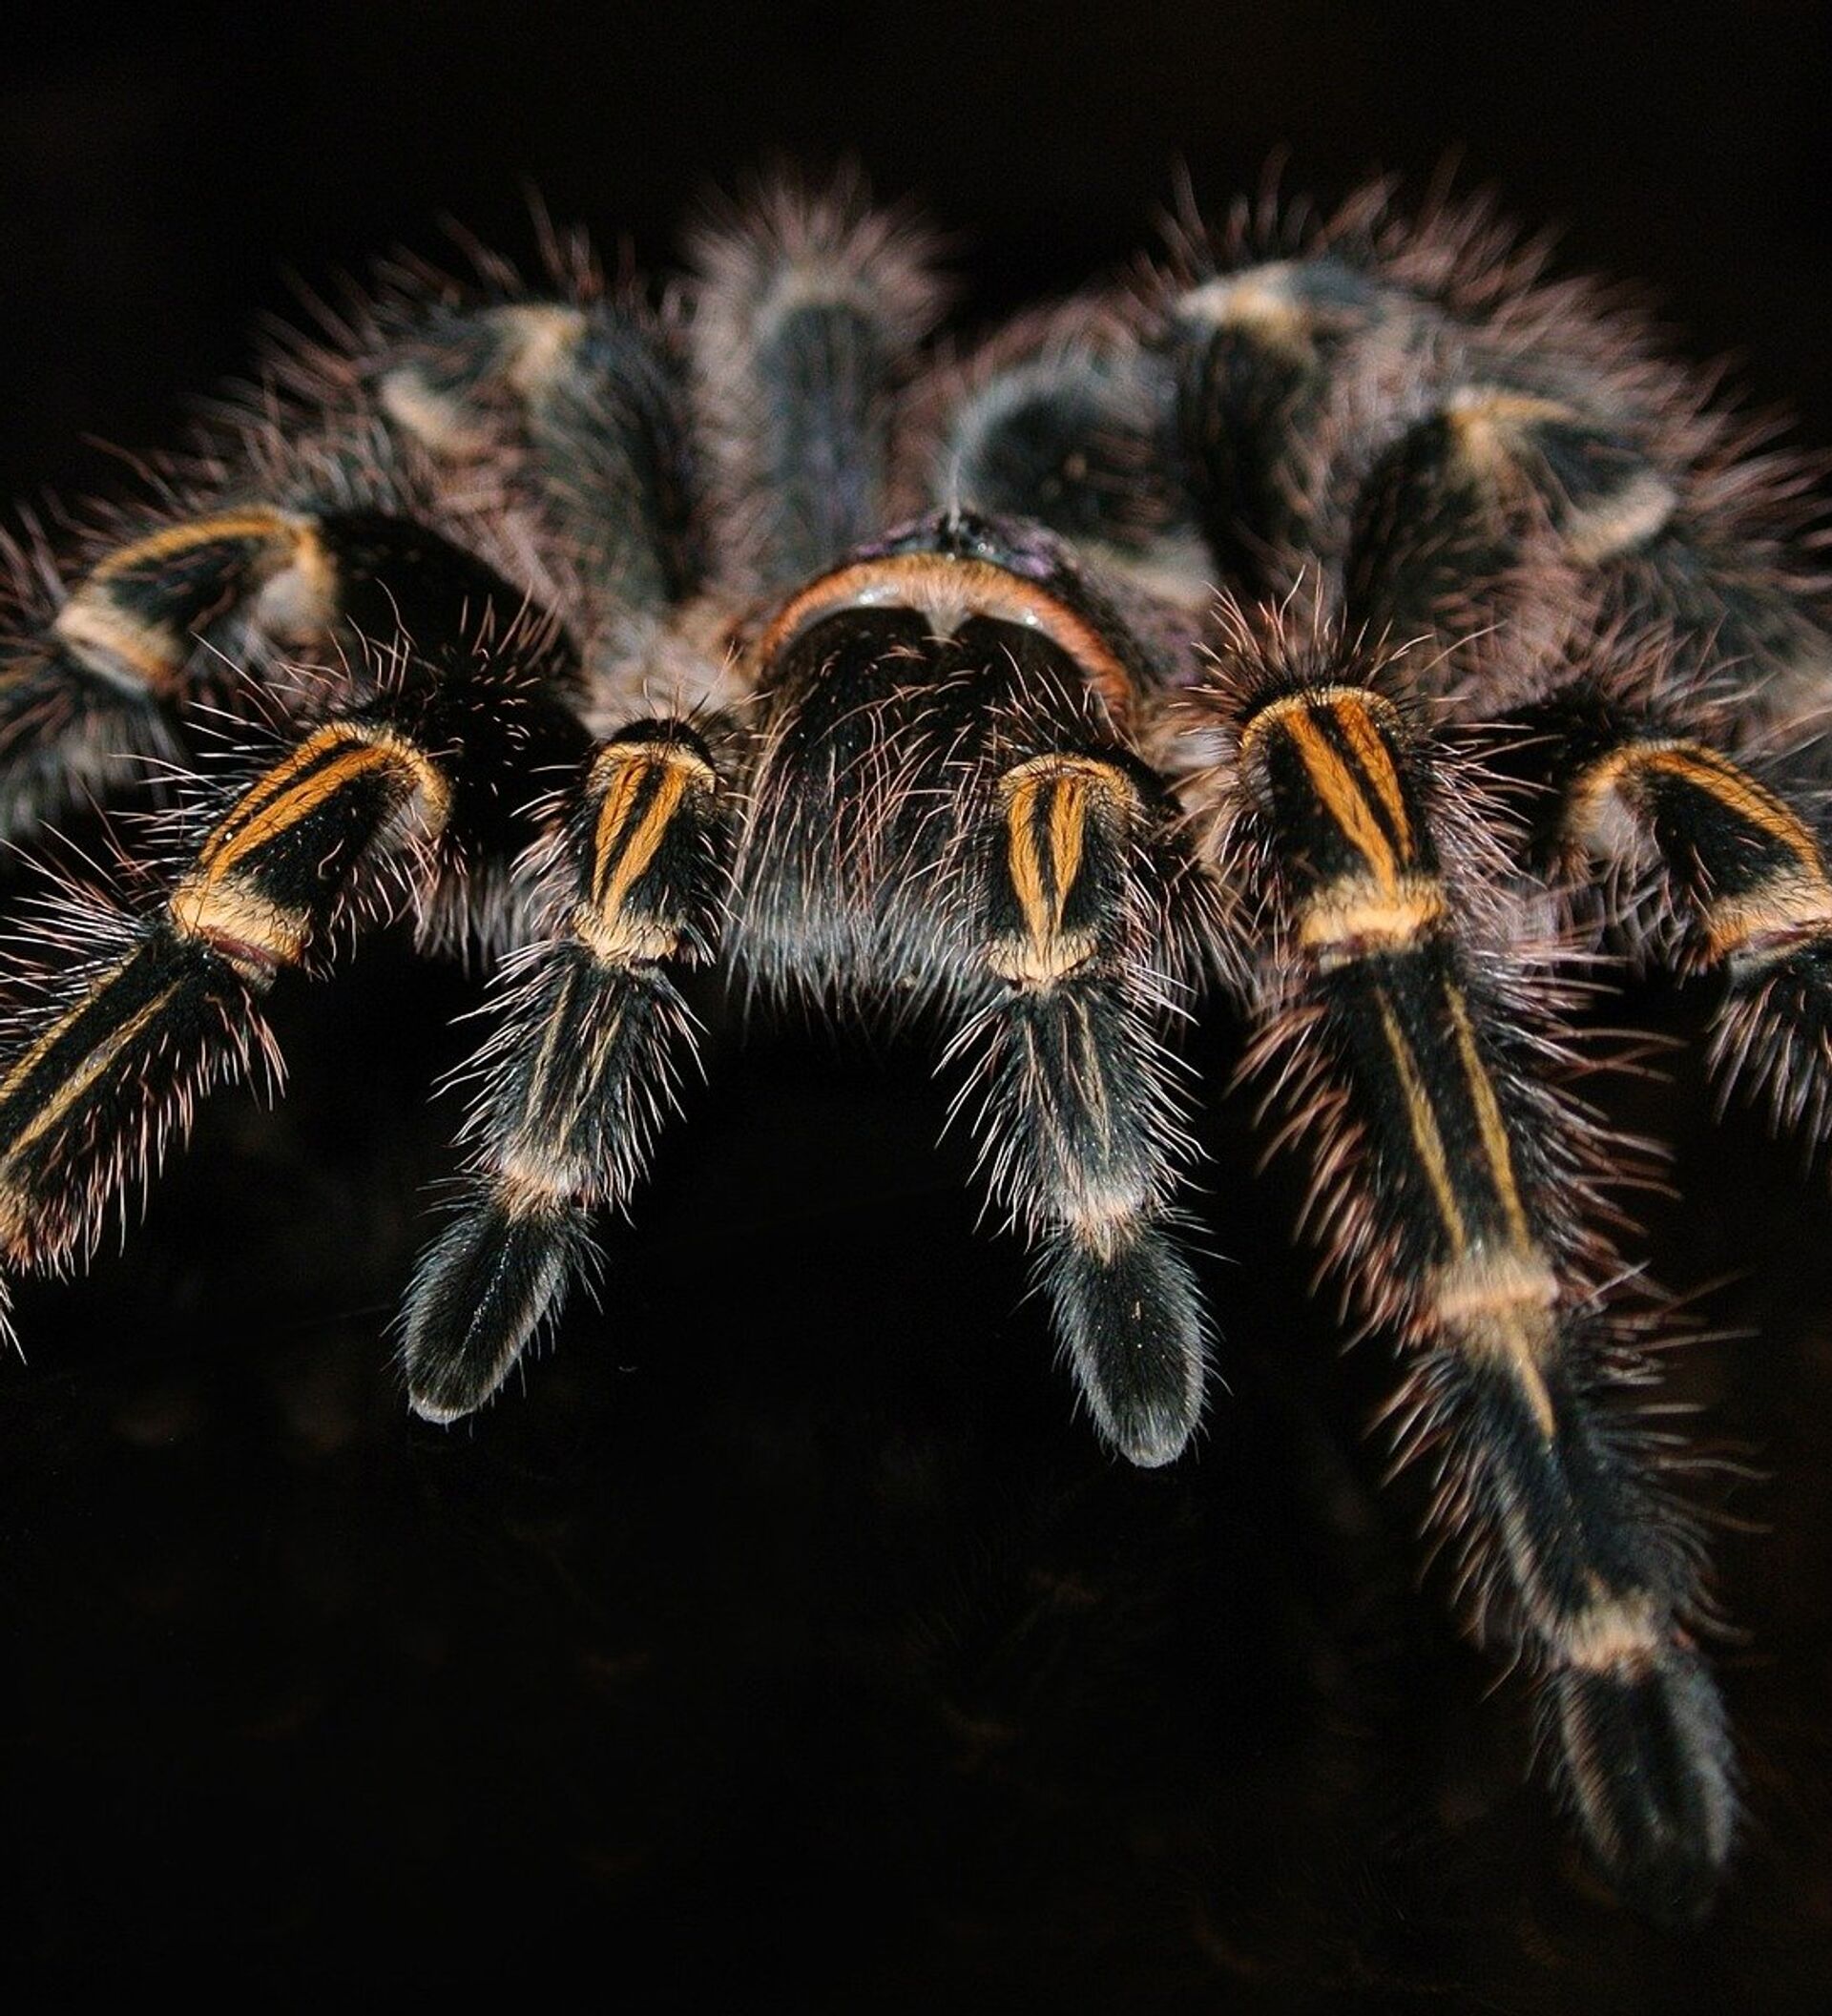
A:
x: 1078, y: 1115
x: 1445, y: 1191
x: 402, y: 790
x: 581, y: 1069
x: 88, y: 1097
x: 158, y: 621
x: 98, y: 675
x: 1735, y: 870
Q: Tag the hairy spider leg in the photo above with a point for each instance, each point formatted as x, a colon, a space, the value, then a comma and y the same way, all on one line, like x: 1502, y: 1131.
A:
x: 415, y: 788
x: 945, y: 811
x: 267, y: 547
x: 1446, y: 1173
x: 806, y: 315
x: 1447, y: 1170
x: 803, y: 319
x: 581, y: 1068
x: 1465, y: 455
x: 1253, y: 363
x: 1699, y: 859
x: 1497, y: 485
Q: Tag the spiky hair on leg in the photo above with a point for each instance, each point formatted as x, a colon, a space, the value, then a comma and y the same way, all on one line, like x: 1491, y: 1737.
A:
x: 397, y: 796
x: 572, y: 1084
x: 1326, y: 369
x: 1408, y: 1053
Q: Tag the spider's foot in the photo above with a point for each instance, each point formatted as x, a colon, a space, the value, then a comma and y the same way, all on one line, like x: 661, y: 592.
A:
x: 485, y: 1287
x: 1130, y: 1315
x: 1646, y: 1763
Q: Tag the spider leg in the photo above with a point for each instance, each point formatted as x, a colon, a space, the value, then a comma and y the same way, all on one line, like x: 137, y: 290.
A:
x: 571, y: 399
x: 1466, y: 444
x: 1447, y: 1179
x: 808, y: 309
x: 1077, y: 1110
x: 1715, y: 862
x: 412, y: 784
x: 805, y: 308
x: 945, y: 809
x: 1052, y: 420
x: 578, y: 1075
x: 1568, y: 511
x: 103, y: 668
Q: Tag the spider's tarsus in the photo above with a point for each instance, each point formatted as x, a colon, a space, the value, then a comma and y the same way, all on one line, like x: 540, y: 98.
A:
x: 1131, y: 1319
x: 1645, y: 1762
x: 491, y: 1279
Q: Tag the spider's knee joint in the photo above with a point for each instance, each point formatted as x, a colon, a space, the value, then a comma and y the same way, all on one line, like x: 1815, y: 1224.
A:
x: 1363, y: 916
x: 440, y: 399
x: 1757, y: 879
x: 1059, y: 883
x: 132, y: 620
x: 649, y: 820
x: 257, y: 937
x: 1500, y: 1309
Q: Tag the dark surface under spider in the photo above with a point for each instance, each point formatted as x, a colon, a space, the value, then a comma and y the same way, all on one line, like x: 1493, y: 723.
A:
x: 569, y: 623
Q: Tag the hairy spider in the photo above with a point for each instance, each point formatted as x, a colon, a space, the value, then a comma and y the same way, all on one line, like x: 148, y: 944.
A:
x: 1342, y: 614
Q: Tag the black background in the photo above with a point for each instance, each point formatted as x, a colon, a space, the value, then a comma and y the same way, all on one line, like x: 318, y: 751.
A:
x: 789, y: 1637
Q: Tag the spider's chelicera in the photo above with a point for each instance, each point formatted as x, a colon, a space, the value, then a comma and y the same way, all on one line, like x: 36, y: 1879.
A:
x: 1343, y: 616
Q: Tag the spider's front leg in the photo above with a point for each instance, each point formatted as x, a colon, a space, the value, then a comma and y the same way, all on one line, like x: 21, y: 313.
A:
x: 805, y: 312
x: 578, y: 1075
x: 1077, y: 1112
x: 946, y: 809
x: 1450, y: 1177
x: 415, y: 786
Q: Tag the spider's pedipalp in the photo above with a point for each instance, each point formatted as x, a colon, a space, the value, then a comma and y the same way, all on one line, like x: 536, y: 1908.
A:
x: 1448, y: 1173
x: 577, y: 1078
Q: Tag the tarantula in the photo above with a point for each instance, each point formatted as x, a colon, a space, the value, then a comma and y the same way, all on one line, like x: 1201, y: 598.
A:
x: 1339, y: 613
